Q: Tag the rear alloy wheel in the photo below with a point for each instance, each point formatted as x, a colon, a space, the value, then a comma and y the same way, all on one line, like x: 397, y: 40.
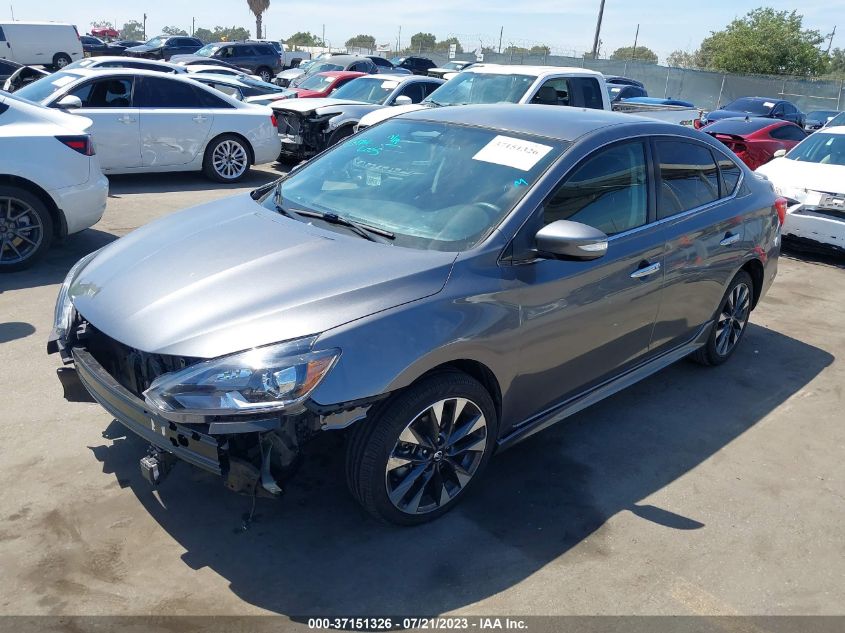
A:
x: 226, y: 159
x: 416, y: 456
x: 730, y: 322
x: 61, y: 60
x: 266, y: 74
x: 26, y: 229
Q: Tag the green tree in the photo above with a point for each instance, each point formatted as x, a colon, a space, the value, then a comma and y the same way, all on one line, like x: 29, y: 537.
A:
x: 102, y: 24
x: 641, y: 54
x: 361, y: 41
x: 836, y: 63
x: 304, y: 39
x: 132, y: 30
x: 258, y: 7
x: 423, y: 41
x: 222, y: 34
x: 765, y: 41
x: 540, y: 50
x: 173, y: 30
x: 443, y: 45
x: 681, y: 59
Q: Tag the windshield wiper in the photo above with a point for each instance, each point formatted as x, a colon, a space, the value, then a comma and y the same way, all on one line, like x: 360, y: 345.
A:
x: 363, y: 230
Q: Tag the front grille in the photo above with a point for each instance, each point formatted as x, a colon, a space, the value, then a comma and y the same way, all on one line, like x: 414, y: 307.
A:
x: 288, y: 124
x: 132, y: 368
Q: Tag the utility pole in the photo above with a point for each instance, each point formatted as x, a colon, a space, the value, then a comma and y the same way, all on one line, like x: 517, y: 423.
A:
x: 193, y: 26
x: 145, y: 26
x: 501, y: 32
x: 12, y: 9
x: 598, y: 31
x: 830, y: 41
x: 636, y: 37
x: 399, y: 40
x: 324, y: 36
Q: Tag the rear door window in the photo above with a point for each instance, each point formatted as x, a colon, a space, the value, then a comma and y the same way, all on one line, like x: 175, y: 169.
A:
x: 157, y: 92
x: 788, y: 133
x: 586, y: 93
x: 608, y: 191
x: 689, y: 177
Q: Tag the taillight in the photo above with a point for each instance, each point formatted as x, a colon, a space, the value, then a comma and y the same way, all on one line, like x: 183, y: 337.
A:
x: 780, y: 207
x: 274, y: 121
x: 81, y: 143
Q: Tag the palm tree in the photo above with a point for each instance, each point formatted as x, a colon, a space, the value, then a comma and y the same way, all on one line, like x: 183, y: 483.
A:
x: 258, y: 7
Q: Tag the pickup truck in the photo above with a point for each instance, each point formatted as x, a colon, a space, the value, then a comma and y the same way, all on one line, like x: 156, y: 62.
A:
x: 290, y: 59
x: 547, y: 85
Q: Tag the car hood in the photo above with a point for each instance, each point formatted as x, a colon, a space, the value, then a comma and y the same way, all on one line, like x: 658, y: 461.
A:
x: 175, y: 59
x: 304, y: 93
x: 296, y: 105
x: 794, y: 174
x: 291, y: 73
x: 232, y: 275
x: 383, y: 114
x: 718, y: 115
x: 143, y: 48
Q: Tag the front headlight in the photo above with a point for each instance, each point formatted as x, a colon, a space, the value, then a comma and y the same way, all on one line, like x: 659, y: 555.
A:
x: 261, y: 380
x: 64, y: 306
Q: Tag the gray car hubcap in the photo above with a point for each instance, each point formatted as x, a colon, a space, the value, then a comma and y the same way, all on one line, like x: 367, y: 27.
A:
x: 21, y: 231
x: 733, y: 318
x: 436, y: 456
x: 229, y: 159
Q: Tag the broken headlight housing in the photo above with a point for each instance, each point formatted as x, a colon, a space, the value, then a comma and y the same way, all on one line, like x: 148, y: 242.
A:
x: 260, y: 380
x: 63, y: 316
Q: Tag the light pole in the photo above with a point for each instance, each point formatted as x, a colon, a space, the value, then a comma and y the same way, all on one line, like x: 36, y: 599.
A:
x: 598, y: 31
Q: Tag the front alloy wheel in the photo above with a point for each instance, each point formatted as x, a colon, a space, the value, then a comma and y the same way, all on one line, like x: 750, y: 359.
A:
x: 436, y: 456
x: 417, y: 453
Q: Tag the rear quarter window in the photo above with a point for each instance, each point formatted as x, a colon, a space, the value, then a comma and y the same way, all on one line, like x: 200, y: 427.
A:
x: 689, y: 177
x: 730, y: 173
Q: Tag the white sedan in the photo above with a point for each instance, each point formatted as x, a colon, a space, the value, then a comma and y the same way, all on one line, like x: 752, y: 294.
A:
x: 147, y: 121
x: 812, y: 179
x: 50, y: 180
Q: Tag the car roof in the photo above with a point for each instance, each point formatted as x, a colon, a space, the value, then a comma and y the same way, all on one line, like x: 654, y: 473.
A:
x: 770, y: 99
x: 342, y: 73
x: 220, y: 79
x: 736, y: 125
x: 347, y: 58
x: 559, y: 122
x: 84, y: 73
x: 837, y: 129
x: 538, y: 71
x: 101, y: 59
x: 400, y: 79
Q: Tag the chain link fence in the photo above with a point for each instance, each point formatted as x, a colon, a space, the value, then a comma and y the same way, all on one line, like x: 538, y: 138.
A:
x: 706, y: 89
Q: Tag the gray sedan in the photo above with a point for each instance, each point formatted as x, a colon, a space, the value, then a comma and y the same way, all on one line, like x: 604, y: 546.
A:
x: 437, y: 287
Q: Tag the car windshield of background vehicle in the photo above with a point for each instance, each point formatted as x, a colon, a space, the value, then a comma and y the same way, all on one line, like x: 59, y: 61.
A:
x: 208, y: 50
x: 752, y: 106
x: 156, y: 41
x: 435, y: 186
x: 317, y: 82
x: 261, y: 85
x: 43, y: 88
x: 825, y: 149
x: 366, y: 89
x: 839, y: 119
x: 470, y: 87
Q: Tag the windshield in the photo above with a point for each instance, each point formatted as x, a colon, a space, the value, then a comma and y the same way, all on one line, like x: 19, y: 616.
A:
x: 369, y: 90
x: 435, y: 186
x: 470, y: 87
x: 454, y: 65
x: 40, y: 90
x: 839, y: 119
x: 208, y: 50
x: 755, y: 106
x: 317, y: 82
x: 825, y: 149
x: 821, y: 115
x: 263, y: 86
x: 156, y: 41
x: 322, y: 67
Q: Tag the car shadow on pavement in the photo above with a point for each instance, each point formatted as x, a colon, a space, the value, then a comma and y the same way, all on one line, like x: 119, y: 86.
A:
x: 314, y: 552
x: 188, y: 181
x: 797, y: 252
x: 56, y: 263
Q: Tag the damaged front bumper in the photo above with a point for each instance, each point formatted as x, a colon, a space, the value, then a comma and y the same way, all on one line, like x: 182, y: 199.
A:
x: 252, y: 454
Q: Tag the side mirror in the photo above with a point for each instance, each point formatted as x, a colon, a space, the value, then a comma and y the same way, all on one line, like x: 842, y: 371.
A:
x: 402, y: 100
x: 571, y: 240
x: 780, y: 153
x: 69, y: 102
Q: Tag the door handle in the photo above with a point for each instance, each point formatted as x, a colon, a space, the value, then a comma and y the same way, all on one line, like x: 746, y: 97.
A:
x: 645, y: 271
x: 200, y: 118
x: 730, y: 238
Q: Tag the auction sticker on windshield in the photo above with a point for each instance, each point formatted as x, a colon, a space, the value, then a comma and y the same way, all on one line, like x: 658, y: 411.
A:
x: 512, y: 152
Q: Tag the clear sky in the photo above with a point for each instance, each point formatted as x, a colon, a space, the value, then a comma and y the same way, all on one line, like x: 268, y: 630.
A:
x: 665, y: 25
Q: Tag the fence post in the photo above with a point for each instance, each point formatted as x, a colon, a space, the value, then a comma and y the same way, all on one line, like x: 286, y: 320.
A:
x: 839, y: 96
x: 666, y: 87
x: 721, y: 88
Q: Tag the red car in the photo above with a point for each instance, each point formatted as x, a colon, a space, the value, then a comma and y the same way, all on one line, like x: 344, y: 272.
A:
x: 323, y: 84
x: 755, y: 139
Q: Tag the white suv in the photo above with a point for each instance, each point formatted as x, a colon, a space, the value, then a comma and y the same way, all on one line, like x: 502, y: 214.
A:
x: 50, y: 180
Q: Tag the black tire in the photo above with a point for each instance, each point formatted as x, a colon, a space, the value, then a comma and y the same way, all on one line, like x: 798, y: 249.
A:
x: 376, y: 439
x: 713, y: 352
x: 265, y: 73
x: 60, y: 60
x: 226, y: 144
x: 339, y: 134
x: 13, y: 235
